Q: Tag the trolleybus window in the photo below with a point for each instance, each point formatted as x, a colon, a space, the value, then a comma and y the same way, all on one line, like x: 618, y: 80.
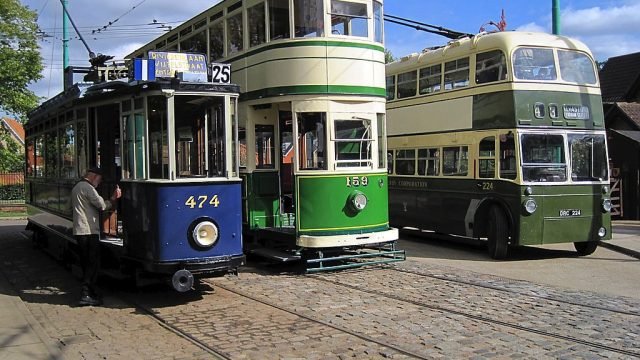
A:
x: 349, y: 18
x: 455, y: 161
x: 279, y: 19
x: 508, y: 168
x: 490, y: 66
x: 265, y: 147
x: 576, y: 67
x: 256, y: 18
x: 353, y: 142
x: 588, y: 157
x: 406, y: 162
x: 391, y: 87
x: 311, y: 140
x: 158, y: 137
x: 429, y: 162
x: 234, y: 34
x: 216, y: 41
x: 456, y: 74
x: 308, y: 18
x: 534, y: 64
x: 430, y: 79
x: 377, y: 22
x: 407, y: 84
x: 543, y: 158
x: 487, y: 161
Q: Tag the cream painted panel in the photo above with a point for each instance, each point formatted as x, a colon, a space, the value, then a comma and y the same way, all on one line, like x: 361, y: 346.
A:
x: 441, y: 116
x: 290, y: 72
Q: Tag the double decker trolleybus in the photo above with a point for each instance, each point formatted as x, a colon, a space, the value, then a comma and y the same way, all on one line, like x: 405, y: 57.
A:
x: 500, y: 136
x: 312, y: 124
x: 171, y: 147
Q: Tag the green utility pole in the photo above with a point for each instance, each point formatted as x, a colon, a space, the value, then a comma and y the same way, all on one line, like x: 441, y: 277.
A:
x: 65, y: 37
x: 556, y: 16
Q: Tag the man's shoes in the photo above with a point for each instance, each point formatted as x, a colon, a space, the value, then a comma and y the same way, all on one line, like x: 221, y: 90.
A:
x: 87, y: 300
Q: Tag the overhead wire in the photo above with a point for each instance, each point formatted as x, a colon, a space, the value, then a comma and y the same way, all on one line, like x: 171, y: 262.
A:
x: 118, y: 18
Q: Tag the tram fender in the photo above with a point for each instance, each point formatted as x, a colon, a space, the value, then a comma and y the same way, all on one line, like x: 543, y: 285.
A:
x: 481, y: 216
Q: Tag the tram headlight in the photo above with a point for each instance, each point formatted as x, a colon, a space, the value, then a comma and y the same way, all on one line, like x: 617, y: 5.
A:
x: 358, y: 201
x: 602, y: 232
x: 205, y: 234
x: 530, y: 206
x: 606, y: 205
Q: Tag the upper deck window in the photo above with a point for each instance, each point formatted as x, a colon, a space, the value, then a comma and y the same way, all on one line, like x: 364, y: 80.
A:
x: 430, y: 79
x: 216, y: 41
x: 378, y: 26
x: 490, y: 66
x: 279, y: 19
x: 391, y: 87
x: 456, y: 74
x: 234, y: 34
x: 534, y: 64
x: 349, y: 18
x: 407, y: 84
x: 308, y: 18
x: 257, y: 29
x: 576, y: 67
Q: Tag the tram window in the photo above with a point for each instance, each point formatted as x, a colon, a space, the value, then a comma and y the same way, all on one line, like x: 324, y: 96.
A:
x: 534, y: 64
x: 588, y: 157
x: 429, y: 162
x: 133, y: 157
x: 190, y: 136
x: 81, y: 147
x: 406, y: 162
x: 543, y: 158
x: 312, y: 140
x: 265, y: 147
x: 377, y: 22
x: 308, y: 18
x: 279, y: 19
x: 51, y: 154
x: 39, y: 156
x: 158, y: 137
x: 430, y: 79
x: 242, y: 139
x: 67, y: 152
x: 391, y: 87
x: 257, y: 30
x: 407, y: 84
x: 353, y: 143
x: 195, y: 44
x: 349, y: 18
x: 455, y: 161
x: 576, y: 67
x: 456, y: 74
x: 217, y: 139
x: 382, y: 140
x: 487, y: 161
x: 234, y: 34
x: 216, y: 41
x: 490, y: 66
x: 508, y: 169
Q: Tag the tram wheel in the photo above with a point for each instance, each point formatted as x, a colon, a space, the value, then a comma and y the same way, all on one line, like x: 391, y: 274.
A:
x: 585, y: 248
x: 498, y: 233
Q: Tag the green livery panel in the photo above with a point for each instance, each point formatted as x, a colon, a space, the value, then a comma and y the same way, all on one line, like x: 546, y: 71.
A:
x: 260, y: 197
x: 327, y: 204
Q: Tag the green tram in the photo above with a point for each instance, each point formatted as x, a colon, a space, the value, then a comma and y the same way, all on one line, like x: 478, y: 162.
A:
x: 312, y: 124
x: 500, y: 136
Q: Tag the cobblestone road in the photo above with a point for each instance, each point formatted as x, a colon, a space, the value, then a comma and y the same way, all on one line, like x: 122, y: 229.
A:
x: 409, y: 310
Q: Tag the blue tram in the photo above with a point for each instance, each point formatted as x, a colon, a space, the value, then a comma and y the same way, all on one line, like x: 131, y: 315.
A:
x: 171, y: 146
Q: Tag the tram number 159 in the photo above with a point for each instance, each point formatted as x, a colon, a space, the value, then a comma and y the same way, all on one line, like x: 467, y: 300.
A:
x: 201, y: 201
x: 356, y: 181
x: 220, y: 73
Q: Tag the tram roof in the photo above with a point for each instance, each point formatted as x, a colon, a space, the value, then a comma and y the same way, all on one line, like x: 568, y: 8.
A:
x: 81, y: 93
x: 505, y: 40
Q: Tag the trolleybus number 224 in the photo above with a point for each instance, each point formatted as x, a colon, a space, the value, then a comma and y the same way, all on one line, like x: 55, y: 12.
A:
x: 201, y: 200
x: 570, y: 212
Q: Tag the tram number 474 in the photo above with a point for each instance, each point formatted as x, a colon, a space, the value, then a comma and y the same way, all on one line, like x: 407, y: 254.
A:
x: 201, y: 201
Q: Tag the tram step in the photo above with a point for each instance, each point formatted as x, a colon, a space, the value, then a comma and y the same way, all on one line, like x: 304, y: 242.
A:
x: 276, y: 255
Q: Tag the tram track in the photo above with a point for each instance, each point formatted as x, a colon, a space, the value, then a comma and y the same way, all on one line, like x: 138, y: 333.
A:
x: 485, y: 319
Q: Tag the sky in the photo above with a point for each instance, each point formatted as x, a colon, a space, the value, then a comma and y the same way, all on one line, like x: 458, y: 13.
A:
x: 609, y: 27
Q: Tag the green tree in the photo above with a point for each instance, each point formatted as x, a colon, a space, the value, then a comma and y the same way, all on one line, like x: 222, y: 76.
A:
x: 388, y: 56
x: 20, y: 61
x: 11, y: 153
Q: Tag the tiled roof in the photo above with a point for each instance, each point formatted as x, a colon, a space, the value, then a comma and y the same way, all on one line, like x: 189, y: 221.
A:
x: 15, y: 127
x: 632, y: 110
x: 620, y: 78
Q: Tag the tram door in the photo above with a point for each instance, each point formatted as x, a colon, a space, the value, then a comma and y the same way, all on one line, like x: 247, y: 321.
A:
x: 286, y: 162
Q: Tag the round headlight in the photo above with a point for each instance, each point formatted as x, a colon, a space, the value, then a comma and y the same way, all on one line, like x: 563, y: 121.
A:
x: 530, y: 206
x: 606, y: 205
x: 602, y: 232
x: 205, y: 234
x: 358, y: 201
x: 528, y: 191
x: 605, y: 189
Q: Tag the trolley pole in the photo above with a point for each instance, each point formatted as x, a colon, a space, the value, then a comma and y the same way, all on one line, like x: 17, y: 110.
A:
x: 555, y: 5
x: 65, y: 37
